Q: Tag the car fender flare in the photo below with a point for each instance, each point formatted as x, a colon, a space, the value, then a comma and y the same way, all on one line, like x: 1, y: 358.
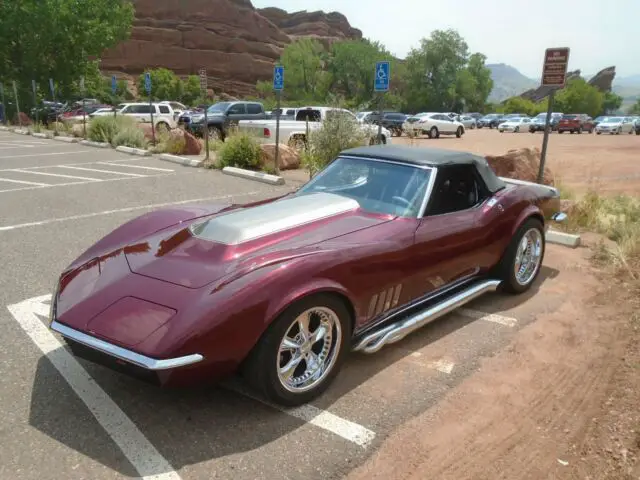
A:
x: 529, y: 212
x: 318, y: 285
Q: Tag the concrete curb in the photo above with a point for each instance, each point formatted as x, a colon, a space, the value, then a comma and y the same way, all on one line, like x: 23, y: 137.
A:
x: 251, y: 175
x: 4, y: 129
x: 187, y: 162
x: 22, y: 131
x: 63, y: 138
x: 561, y: 238
x: 133, y: 151
x: 41, y: 135
x: 95, y: 144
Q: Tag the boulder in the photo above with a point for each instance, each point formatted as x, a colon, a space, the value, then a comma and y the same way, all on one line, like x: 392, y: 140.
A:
x: 191, y: 144
x: 22, y: 119
x: 237, y: 43
x: 288, y: 157
x: 520, y: 164
x: 603, y: 79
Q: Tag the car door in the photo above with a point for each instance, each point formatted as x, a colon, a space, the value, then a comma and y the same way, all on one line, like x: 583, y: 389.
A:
x: 448, y: 240
x: 236, y: 112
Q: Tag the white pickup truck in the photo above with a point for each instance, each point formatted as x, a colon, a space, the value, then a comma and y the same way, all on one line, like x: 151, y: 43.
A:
x: 294, y: 132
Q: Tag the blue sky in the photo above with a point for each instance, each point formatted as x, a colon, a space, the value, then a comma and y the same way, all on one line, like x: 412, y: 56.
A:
x: 599, y: 33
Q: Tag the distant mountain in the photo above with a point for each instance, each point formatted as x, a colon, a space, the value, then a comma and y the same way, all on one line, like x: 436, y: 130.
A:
x: 508, y: 82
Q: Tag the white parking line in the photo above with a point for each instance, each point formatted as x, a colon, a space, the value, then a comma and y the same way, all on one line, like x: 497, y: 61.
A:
x: 102, y: 171
x: 136, y: 166
x: 346, y: 429
x: 443, y: 366
x: 149, y: 463
x: 488, y: 317
x: 45, y: 154
x: 120, y: 210
x: 24, y: 182
x: 31, y: 172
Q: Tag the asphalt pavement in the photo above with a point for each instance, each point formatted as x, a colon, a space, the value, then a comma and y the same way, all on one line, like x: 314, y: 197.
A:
x: 67, y: 418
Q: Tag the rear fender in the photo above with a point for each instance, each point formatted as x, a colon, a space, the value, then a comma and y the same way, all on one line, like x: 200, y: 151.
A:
x: 530, y: 211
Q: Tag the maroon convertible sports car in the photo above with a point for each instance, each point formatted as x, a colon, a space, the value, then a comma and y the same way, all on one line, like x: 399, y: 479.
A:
x: 384, y: 240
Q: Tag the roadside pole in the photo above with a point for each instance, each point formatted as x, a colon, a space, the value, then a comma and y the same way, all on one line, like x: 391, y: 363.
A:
x: 15, y: 94
x: 4, y: 104
x: 205, y: 94
x: 35, y: 100
x: 52, y: 87
x: 554, y: 73
x: 381, y: 84
x: 278, y: 86
x: 84, y: 113
x: 114, y: 89
x: 147, y: 86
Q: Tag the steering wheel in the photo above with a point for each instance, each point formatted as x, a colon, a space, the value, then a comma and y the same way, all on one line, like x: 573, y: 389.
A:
x: 402, y: 200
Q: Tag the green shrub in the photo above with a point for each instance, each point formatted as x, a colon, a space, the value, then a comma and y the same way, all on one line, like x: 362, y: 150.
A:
x: 239, y: 150
x: 129, y: 136
x: 105, y: 128
x: 337, y: 133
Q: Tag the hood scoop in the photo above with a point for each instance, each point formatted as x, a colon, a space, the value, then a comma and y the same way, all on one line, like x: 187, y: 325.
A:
x: 244, y: 225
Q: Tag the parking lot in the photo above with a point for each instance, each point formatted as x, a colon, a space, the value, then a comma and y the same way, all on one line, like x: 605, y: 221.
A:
x: 67, y: 418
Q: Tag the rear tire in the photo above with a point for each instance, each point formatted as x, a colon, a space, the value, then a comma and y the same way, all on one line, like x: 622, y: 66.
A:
x: 519, y: 267
x: 459, y: 132
x: 265, y: 369
x: 434, y: 133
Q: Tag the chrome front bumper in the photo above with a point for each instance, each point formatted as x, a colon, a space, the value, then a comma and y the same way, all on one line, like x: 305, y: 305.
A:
x: 123, y: 354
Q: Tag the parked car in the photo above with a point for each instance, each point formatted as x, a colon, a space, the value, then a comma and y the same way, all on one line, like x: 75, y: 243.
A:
x: 223, y: 115
x: 360, y: 116
x: 433, y: 125
x: 615, y: 126
x: 383, y: 241
x: 515, y: 125
x: 598, y: 120
x: 540, y: 120
x: 163, y: 115
x: 575, y: 123
x: 467, y: 120
x: 392, y: 121
x: 491, y: 120
x: 77, y: 116
x: 47, y: 112
x: 177, y: 108
x: 636, y: 126
x: 294, y: 132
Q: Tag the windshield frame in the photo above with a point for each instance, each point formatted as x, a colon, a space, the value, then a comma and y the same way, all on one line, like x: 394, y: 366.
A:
x: 426, y: 195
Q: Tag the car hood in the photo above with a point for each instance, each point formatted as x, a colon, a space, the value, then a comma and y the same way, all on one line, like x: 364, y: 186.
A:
x: 204, y: 251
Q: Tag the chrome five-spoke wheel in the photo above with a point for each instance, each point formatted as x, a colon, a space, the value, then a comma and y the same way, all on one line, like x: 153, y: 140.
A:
x: 309, y: 349
x: 528, y: 256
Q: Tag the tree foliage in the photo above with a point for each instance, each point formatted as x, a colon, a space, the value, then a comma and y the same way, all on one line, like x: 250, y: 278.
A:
x: 635, y: 108
x: 42, y: 39
x: 611, y: 102
x: 166, y: 85
x: 579, y: 97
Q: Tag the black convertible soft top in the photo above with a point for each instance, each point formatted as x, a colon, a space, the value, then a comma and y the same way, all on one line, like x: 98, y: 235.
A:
x: 433, y: 157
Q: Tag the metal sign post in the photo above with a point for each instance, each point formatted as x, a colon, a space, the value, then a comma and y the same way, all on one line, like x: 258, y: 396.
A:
x: 554, y: 74
x: 15, y: 94
x: 381, y: 84
x: 278, y: 86
x: 84, y: 113
x: 52, y: 87
x: 203, y: 92
x: 147, y: 86
x: 4, y: 104
x: 114, y: 89
x: 35, y: 100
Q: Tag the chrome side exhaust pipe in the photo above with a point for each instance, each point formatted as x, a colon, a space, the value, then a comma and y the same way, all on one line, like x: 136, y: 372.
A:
x: 395, y: 332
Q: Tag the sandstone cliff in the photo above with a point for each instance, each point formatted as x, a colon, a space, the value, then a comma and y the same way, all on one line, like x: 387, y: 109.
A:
x: 602, y: 80
x: 236, y: 43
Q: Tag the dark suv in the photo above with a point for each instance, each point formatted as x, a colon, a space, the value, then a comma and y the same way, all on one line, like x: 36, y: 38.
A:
x: 492, y: 120
x: 392, y: 121
x: 575, y: 123
x: 223, y: 115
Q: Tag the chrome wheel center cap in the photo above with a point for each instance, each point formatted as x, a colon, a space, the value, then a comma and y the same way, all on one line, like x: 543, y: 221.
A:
x: 305, y: 348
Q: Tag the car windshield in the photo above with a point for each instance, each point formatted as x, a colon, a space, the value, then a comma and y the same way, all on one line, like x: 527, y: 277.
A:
x: 220, y: 107
x: 378, y: 186
x: 612, y: 120
x: 569, y: 117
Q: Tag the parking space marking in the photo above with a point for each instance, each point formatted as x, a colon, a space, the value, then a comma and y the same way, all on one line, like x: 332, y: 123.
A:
x: 488, y: 317
x: 53, y: 174
x: 121, y: 210
x: 346, y: 429
x: 45, y: 154
x: 23, y: 182
x: 102, y: 171
x: 136, y: 166
x: 443, y: 366
x: 144, y: 457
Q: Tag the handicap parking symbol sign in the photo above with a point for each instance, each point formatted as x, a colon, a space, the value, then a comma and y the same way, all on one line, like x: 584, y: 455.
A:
x: 382, y: 78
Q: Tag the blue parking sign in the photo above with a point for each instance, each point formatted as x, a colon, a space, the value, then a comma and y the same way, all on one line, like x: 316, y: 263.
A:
x: 278, y: 78
x: 147, y: 82
x: 383, y: 75
x: 114, y: 85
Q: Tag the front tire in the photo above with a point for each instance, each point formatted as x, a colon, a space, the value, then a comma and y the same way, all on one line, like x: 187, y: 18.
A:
x: 520, y: 265
x: 459, y: 132
x: 302, y: 351
x: 434, y: 133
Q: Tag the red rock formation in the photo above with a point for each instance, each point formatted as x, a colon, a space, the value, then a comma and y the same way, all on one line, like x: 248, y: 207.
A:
x: 237, y: 44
